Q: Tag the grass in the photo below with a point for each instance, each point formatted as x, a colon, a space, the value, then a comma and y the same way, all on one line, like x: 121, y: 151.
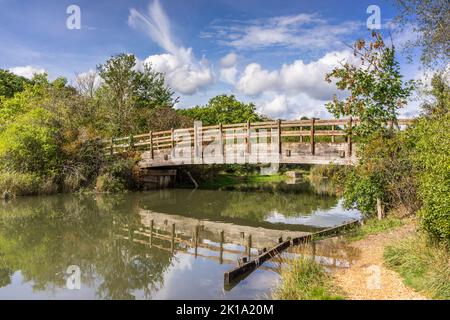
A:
x: 423, y: 266
x: 304, y: 279
x: 373, y: 226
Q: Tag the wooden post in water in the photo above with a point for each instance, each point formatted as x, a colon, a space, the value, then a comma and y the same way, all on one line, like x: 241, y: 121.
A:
x: 196, y: 239
x: 151, y: 145
x: 151, y: 232
x: 349, y: 137
x: 249, y: 245
x: 222, y: 240
x: 311, y: 136
x: 172, y: 243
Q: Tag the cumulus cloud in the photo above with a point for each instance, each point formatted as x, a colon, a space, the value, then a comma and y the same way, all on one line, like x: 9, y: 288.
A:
x: 308, y: 31
x: 183, y: 72
x: 293, y: 78
x: 228, y: 69
x: 229, y: 60
x: 27, y: 71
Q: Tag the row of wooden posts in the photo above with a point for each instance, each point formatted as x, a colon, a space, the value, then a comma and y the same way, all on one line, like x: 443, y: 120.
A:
x: 168, y: 136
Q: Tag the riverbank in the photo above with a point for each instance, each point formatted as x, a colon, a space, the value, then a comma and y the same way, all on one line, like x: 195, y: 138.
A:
x: 395, y: 263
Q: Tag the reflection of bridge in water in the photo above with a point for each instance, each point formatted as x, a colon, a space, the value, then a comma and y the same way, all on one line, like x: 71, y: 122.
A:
x: 226, y: 243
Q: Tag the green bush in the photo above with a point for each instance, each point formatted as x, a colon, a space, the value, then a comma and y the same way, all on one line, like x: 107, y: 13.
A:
x: 431, y: 158
x: 30, y: 144
x: 117, y: 176
x: 22, y: 184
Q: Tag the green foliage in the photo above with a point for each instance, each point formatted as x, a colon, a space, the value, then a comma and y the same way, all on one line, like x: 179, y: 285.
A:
x: 440, y: 90
x: 24, y: 184
x: 128, y: 96
x: 422, y: 266
x: 30, y: 144
x: 224, y: 109
x: 431, y: 158
x: 376, y: 87
x: 428, y: 21
x: 373, y: 226
x: 11, y: 83
x: 116, y: 176
x: 304, y: 279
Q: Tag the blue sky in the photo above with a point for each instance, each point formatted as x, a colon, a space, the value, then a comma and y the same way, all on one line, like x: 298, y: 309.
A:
x: 274, y: 53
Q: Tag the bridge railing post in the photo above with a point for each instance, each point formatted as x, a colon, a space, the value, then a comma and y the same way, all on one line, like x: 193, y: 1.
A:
x: 248, y: 138
x: 221, y: 144
x: 279, y: 136
x: 349, y: 137
x: 172, y: 142
x: 311, y: 137
x: 332, y: 136
x: 151, y: 145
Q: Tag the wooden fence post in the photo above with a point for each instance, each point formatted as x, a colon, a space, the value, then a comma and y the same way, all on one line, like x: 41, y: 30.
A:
x: 248, y: 137
x: 279, y: 135
x: 332, y: 136
x: 380, y: 209
x: 301, y: 135
x: 172, y: 141
x: 349, y: 137
x: 221, y: 145
x: 151, y: 145
x: 312, y: 136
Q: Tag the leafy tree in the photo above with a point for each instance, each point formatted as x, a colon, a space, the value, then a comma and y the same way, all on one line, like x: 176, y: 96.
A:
x: 30, y: 144
x: 440, y: 90
x: 128, y: 95
x: 223, y: 109
x: 375, y: 86
x: 11, y: 83
x: 429, y: 21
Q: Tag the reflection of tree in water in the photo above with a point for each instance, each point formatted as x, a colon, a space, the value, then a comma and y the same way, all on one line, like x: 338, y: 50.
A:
x: 252, y: 206
x: 42, y: 236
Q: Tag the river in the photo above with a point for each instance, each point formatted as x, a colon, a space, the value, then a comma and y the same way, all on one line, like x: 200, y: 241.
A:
x: 167, y: 244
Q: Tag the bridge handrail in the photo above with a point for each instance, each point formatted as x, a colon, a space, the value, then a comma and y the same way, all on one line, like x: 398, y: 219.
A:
x: 309, y: 128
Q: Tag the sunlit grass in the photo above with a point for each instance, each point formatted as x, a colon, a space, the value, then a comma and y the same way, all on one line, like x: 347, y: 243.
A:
x: 304, y: 279
x: 373, y: 226
x: 423, y: 266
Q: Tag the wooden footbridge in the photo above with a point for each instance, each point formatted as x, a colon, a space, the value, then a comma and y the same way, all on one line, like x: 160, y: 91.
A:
x: 314, y: 141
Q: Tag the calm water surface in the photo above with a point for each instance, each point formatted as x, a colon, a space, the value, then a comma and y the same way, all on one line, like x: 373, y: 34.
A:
x: 171, y: 244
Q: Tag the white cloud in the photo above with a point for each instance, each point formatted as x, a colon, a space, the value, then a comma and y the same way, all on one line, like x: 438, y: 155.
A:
x: 228, y: 75
x: 229, y: 60
x: 27, y: 71
x: 183, y: 72
x: 283, y: 106
x: 294, y: 78
x: 255, y: 80
x: 307, y: 31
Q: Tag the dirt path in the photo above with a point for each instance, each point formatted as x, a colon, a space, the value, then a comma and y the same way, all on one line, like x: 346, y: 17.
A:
x: 367, y: 278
